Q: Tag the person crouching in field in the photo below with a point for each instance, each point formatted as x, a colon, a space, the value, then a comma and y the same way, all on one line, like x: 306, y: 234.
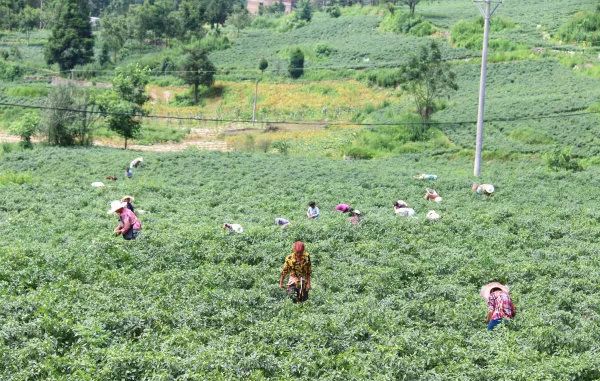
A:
x: 233, y: 228
x: 355, y: 217
x: 313, y: 210
x: 500, y: 305
x: 344, y: 208
x: 297, y: 265
x: 129, y: 225
x: 401, y: 208
x: 484, y: 189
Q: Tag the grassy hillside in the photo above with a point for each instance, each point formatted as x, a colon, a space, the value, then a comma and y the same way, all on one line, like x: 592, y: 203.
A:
x: 393, y: 298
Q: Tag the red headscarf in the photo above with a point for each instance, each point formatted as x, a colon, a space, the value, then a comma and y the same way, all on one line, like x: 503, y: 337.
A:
x: 298, y: 247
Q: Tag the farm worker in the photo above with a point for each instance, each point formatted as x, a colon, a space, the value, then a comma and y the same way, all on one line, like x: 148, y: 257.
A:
x: 355, y: 217
x: 432, y: 195
x: 401, y: 208
x: 485, y: 189
x: 129, y: 201
x: 425, y: 176
x: 233, y: 228
x: 128, y: 172
x: 129, y: 225
x: 344, y: 208
x: 297, y: 265
x: 279, y: 221
x: 313, y: 210
x: 136, y: 162
x: 432, y: 215
x: 500, y: 305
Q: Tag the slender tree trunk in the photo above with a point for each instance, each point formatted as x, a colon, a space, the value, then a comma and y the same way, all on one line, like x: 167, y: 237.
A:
x: 195, y: 93
x: 254, y: 105
x: 125, y: 142
x: 412, y: 8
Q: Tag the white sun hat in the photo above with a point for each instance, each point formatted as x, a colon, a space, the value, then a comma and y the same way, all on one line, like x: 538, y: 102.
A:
x: 116, y: 205
x: 432, y: 215
x: 485, y: 290
x: 127, y: 197
x: 401, y: 203
x: 487, y: 188
x: 97, y: 184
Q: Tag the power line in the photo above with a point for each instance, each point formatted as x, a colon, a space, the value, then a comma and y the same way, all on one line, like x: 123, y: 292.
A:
x: 568, y: 114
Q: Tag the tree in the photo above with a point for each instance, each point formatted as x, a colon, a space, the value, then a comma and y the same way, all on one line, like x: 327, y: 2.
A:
x: 29, y: 20
x: 262, y: 66
x: 196, y: 69
x: 296, y: 67
x: 123, y: 105
x: 114, y: 33
x: 304, y: 11
x: 69, y: 117
x: 71, y: 42
x: 26, y: 127
x: 427, y: 76
x: 412, y: 4
x: 240, y: 18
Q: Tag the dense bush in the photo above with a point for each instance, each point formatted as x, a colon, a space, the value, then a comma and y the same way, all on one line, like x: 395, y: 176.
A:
x: 563, y: 159
x: 584, y: 27
x: 469, y: 34
x: 296, y: 66
x: 400, y: 22
x: 10, y: 71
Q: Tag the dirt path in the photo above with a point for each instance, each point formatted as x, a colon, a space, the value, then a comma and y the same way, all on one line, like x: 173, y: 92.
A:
x: 203, y: 139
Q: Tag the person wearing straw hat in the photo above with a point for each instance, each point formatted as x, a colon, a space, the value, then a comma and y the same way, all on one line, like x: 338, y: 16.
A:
x: 484, y: 189
x: 500, y: 305
x: 129, y: 201
x: 432, y: 195
x: 233, y: 228
x: 401, y: 208
x: 129, y: 225
x: 297, y: 265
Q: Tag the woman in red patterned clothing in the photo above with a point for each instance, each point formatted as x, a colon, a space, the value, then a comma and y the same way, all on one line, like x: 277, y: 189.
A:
x: 500, y: 305
x: 298, y: 266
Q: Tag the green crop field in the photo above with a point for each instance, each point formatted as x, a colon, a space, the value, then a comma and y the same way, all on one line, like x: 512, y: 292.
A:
x: 393, y: 298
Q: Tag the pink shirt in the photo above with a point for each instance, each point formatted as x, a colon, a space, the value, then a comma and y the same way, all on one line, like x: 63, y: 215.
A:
x: 342, y: 208
x: 128, y: 218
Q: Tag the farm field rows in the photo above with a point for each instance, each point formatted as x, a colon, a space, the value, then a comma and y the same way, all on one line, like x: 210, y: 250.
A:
x: 393, y: 298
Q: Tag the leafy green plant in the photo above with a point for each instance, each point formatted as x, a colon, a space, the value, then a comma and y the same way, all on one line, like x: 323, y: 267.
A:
x: 584, y: 28
x: 562, y: 159
x: 406, y: 23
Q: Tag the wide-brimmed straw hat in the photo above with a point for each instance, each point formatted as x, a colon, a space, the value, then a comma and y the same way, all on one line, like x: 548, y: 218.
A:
x: 125, y: 198
x: 487, y: 188
x: 116, y: 205
x: 356, y: 211
x: 401, y: 203
x: 485, y: 290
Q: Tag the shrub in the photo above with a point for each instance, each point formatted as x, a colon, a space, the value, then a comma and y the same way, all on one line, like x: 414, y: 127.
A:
x: 323, y: 50
x: 18, y: 178
x: 282, y: 146
x: 10, y: 71
x: 296, y: 67
x: 26, y: 127
x: 563, y: 159
x: 334, y: 11
x: 469, y: 34
x: 584, y: 27
x: 399, y: 22
x: 360, y: 153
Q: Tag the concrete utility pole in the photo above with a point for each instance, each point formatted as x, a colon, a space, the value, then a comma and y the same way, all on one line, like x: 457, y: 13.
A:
x: 487, y: 8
